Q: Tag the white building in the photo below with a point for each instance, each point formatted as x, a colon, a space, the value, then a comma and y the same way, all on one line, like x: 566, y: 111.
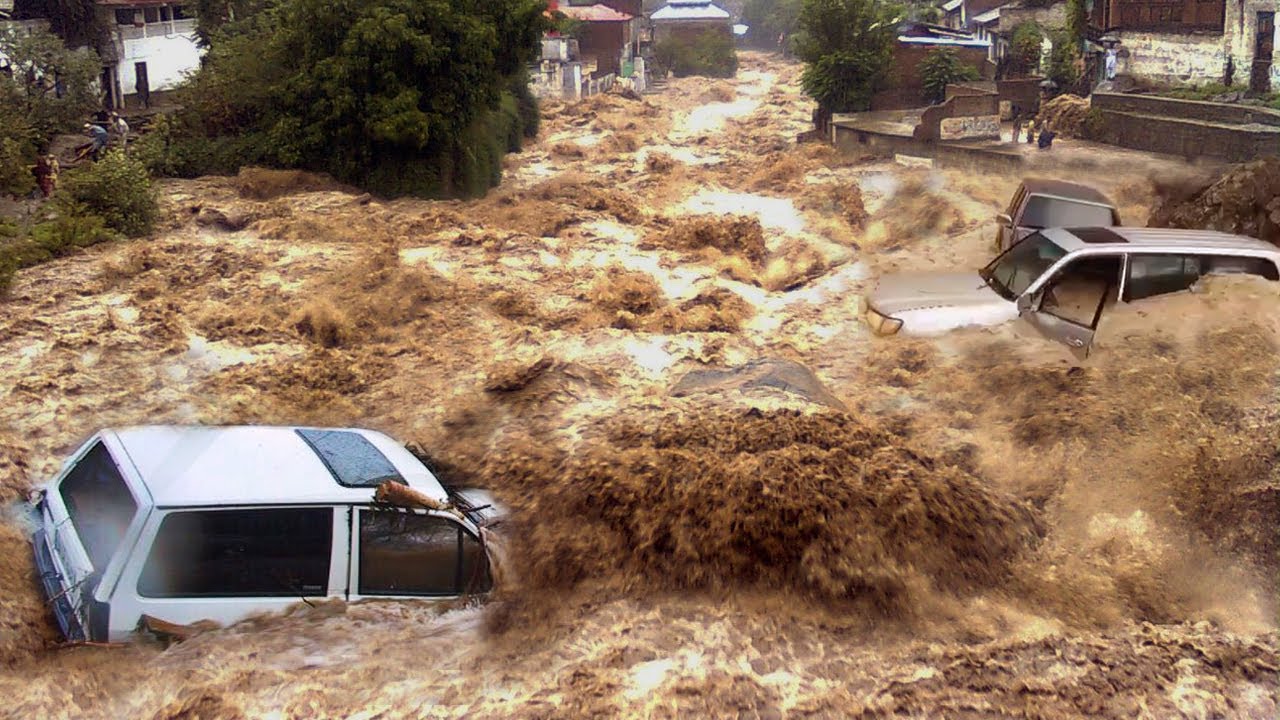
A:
x: 152, y: 48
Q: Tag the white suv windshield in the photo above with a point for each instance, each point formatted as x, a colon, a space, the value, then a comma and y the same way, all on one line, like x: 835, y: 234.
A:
x: 1045, y: 212
x: 1014, y: 271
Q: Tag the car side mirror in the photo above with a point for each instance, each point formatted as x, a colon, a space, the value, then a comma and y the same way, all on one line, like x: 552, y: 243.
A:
x: 1024, y: 303
x: 1004, y: 219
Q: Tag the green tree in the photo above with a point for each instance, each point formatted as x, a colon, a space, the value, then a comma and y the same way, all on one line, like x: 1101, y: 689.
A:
x: 940, y: 68
x: 1026, y: 44
x: 51, y: 88
x: 400, y: 96
x: 214, y: 16
x: 1063, y: 58
x: 847, y: 47
x: 769, y: 19
x: 1077, y: 20
x: 709, y: 54
x: 50, y: 91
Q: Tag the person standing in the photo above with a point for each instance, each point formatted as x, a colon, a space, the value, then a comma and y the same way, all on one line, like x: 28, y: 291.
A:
x: 1017, y: 126
x: 122, y: 129
x: 1112, y: 59
x: 144, y: 90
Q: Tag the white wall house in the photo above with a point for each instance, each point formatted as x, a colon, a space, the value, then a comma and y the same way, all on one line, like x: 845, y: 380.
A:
x: 154, y: 46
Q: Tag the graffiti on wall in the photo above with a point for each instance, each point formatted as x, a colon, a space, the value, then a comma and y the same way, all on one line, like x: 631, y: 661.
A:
x: 970, y: 127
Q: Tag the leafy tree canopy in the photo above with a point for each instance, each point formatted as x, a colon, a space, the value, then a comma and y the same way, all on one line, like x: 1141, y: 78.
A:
x: 353, y: 87
x: 847, y: 46
x: 49, y: 89
x: 940, y: 68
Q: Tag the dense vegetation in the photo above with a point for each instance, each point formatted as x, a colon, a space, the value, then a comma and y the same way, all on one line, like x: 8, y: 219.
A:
x: 709, y: 54
x: 402, y: 97
x: 1026, y: 46
x: 847, y: 46
x: 941, y: 67
x: 50, y: 91
x: 768, y: 20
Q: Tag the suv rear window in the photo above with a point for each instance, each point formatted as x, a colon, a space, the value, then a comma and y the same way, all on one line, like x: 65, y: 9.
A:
x: 99, y: 504
x: 273, y: 552
x: 409, y: 554
x: 1046, y: 212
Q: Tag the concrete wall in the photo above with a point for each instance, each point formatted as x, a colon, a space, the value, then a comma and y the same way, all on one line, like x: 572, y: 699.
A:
x: 962, y: 116
x: 1226, y: 113
x: 1053, y: 17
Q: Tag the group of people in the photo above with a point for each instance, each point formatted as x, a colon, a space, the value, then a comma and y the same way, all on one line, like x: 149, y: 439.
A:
x: 100, y: 136
x: 1043, y: 140
x: 47, y: 166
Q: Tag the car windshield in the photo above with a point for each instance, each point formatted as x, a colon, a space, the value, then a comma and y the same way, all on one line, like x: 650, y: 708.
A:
x: 1014, y: 271
x: 1044, y: 212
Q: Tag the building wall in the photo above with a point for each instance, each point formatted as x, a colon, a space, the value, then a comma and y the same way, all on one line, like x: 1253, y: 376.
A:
x: 1198, y: 58
x: 168, y: 59
x: 690, y: 29
x: 604, y: 43
x: 1053, y: 17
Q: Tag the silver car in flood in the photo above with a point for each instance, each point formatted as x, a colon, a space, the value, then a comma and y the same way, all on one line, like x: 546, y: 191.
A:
x: 1061, y: 280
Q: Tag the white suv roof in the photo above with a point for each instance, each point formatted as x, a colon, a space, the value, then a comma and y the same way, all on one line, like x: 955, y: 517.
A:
x: 192, y: 466
x: 1156, y: 239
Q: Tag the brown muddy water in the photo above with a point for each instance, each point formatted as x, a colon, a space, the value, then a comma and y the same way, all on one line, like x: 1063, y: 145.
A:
x: 966, y: 526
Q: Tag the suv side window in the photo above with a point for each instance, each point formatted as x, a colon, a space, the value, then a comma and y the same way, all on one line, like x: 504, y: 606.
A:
x: 272, y: 552
x: 1077, y: 292
x: 1151, y: 275
x: 1235, y: 265
x: 99, y: 504
x: 408, y: 554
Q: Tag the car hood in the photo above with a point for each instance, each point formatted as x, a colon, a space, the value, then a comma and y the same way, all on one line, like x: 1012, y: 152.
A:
x: 902, y: 292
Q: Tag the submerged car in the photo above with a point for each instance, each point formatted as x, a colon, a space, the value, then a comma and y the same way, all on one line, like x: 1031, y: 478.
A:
x: 1061, y: 279
x: 1039, y: 204
x: 188, y: 524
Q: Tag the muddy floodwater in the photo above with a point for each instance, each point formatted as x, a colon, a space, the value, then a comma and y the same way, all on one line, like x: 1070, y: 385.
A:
x: 816, y: 523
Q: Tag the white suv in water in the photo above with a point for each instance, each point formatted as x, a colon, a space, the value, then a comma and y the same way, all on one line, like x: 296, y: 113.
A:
x: 187, y: 524
x: 1060, y: 280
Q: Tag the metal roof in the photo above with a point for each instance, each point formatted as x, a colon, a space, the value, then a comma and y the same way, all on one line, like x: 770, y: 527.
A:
x: 194, y: 466
x: 952, y: 5
x: 1062, y: 188
x: 1163, y: 239
x: 595, y: 13
x: 988, y: 16
x: 690, y: 10
x: 963, y: 42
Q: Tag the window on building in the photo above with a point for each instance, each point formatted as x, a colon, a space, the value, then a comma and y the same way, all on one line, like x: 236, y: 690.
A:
x: 180, y: 12
x: 124, y: 17
x: 99, y: 504
x: 165, y: 14
x: 151, y: 15
x: 276, y: 552
x: 409, y: 554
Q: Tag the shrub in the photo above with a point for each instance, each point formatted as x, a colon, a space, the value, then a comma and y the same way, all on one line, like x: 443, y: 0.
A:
x: 940, y: 68
x: 708, y: 54
x: 1027, y: 41
x: 70, y: 226
x: 1062, y: 59
x: 116, y: 188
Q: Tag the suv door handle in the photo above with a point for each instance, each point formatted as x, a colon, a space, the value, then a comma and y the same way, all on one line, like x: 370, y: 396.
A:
x: 1076, y: 343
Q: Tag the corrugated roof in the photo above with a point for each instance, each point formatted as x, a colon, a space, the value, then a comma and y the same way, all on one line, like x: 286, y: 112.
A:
x: 595, y: 13
x: 691, y: 10
x: 988, y: 16
x: 972, y: 42
x: 952, y: 6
